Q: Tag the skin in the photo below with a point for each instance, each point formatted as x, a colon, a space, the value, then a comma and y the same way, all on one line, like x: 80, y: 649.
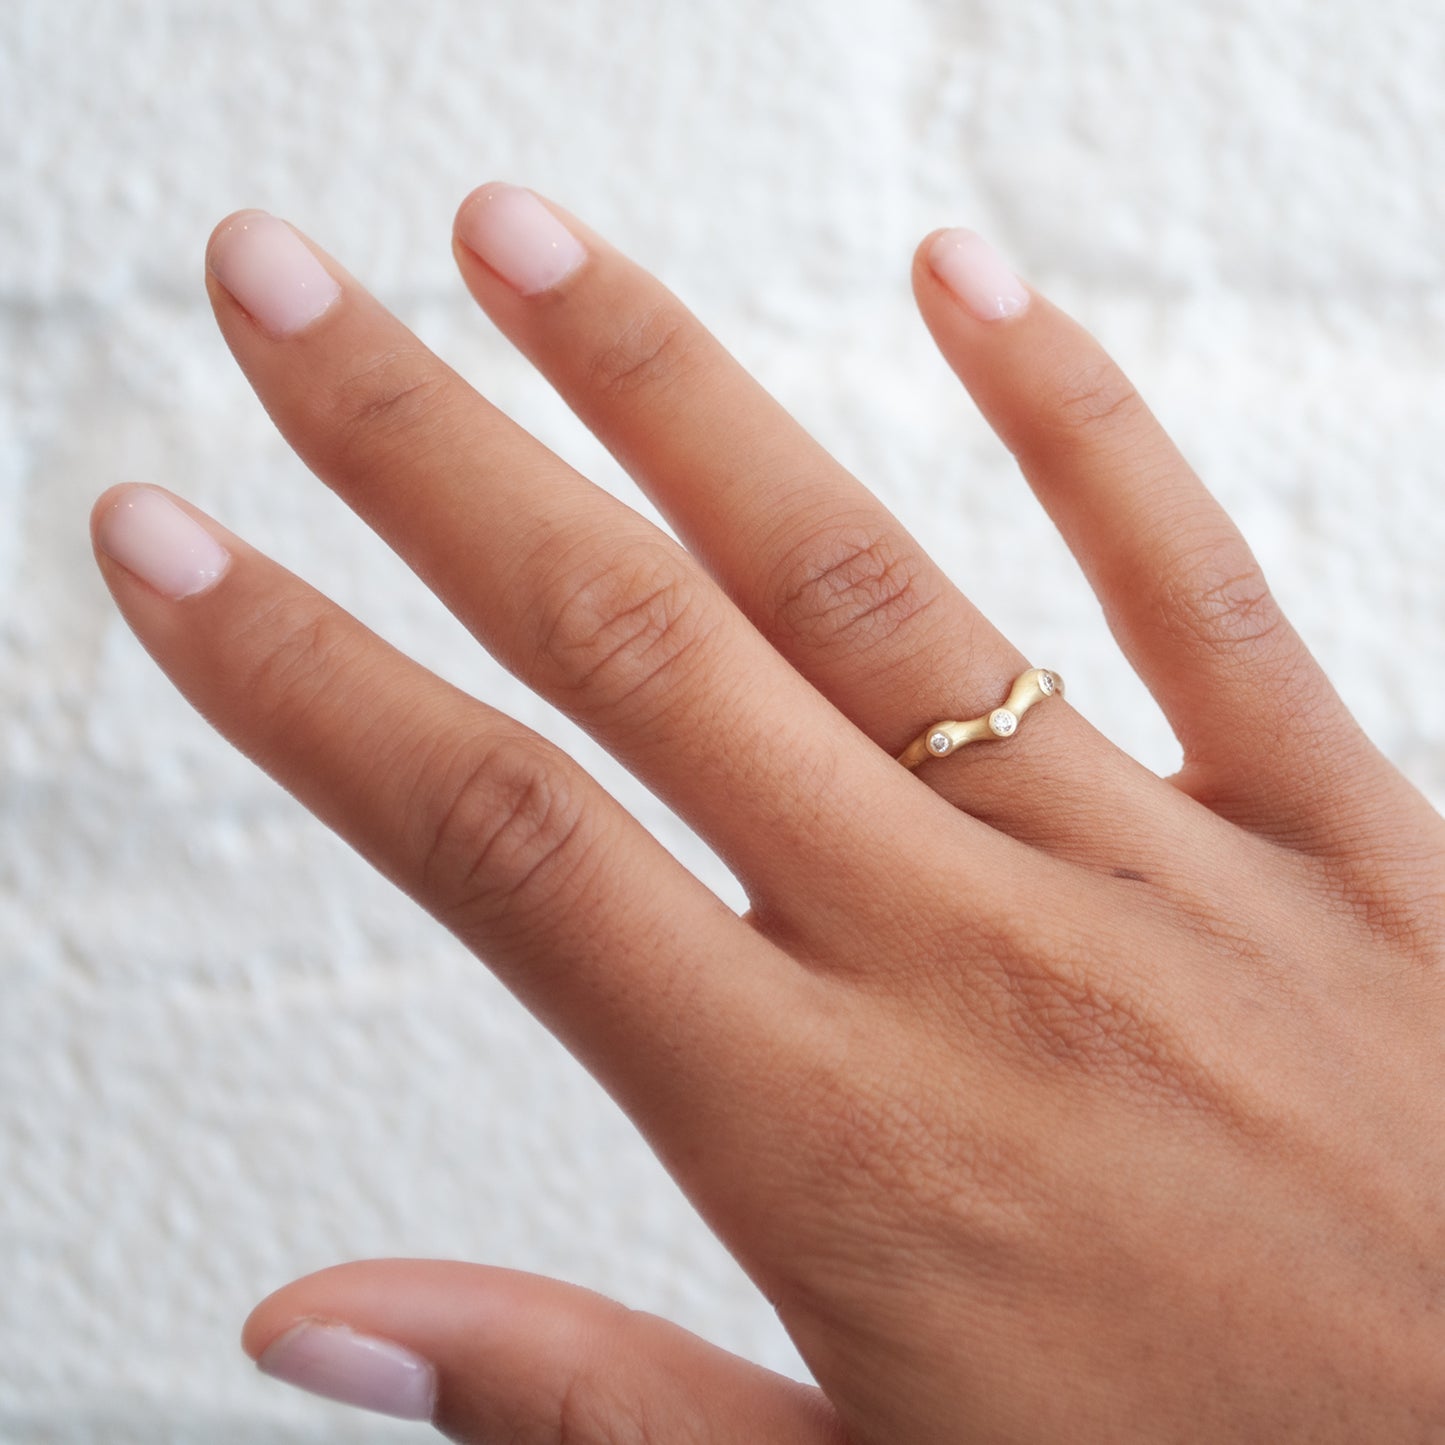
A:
x: 1046, y: 1099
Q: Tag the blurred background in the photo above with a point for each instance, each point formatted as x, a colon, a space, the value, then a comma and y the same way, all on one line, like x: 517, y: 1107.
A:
x: 228, y: 1057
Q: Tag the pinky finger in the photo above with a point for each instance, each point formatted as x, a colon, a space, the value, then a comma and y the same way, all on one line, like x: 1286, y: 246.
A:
x: 1267, y: 743
x: 489, y: 1354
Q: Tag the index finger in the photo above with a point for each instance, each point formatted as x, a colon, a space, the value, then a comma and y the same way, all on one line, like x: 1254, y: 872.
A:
x: 647, y: 977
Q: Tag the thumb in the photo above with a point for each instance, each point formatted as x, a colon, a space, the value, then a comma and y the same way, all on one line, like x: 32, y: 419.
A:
x: 490, y: 1354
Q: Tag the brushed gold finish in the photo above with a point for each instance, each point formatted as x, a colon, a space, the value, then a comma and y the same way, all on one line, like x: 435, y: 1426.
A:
x: 1001, y: 722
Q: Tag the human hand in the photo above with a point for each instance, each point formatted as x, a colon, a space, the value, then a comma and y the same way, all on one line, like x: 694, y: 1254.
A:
x: 1045, y: 1099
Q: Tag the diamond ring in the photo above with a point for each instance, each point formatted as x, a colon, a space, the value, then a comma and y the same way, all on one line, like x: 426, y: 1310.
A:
x: 947, y: 737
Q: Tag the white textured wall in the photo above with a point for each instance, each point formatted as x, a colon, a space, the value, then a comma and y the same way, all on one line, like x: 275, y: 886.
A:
x: 226, y: 1057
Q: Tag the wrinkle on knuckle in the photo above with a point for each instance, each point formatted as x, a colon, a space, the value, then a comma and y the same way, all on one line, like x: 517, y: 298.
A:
x: 505, y: 832
x: 648, y: 356
x: 624, y: 632
x: 297, y: 646
x: 1094, y: 398
x: 849, y: 585
x: 1214, y: 599
x: 394, y: 396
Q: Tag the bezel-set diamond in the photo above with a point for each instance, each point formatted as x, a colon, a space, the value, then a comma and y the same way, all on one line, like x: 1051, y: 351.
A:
x: 1001, y: 722
x: 1004, y: 721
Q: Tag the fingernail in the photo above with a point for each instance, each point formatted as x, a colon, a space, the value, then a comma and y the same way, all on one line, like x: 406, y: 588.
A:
x: 271, y: 272
x: 519, y: 238
x: 977, y: 275
x: 360, y: 1370
x: 150, y: 536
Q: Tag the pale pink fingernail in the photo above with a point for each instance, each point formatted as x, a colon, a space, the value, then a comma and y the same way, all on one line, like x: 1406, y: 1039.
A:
x: 149, y: 535
x: 272, y: 272
x: 519, y: 238
x: 977, y: 275
x: 361, y: 1370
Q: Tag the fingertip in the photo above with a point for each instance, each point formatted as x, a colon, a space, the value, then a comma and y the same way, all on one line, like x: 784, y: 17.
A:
x: 158, y: 540
x: 921, y: 253
x: 366, y: 1294
x: 270, y: 270
x: 518, y: 237
x: 928, y: 290
x: 327, y: 1357
x: 110, y: 498
x: 257, y: 1332
x: 226, y: 226
x: 479, y: 196
x: 270, y: 1318
x: 959, y: 265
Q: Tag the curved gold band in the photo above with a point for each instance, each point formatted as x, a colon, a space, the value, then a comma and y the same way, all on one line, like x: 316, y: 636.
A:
x: 947, y: 737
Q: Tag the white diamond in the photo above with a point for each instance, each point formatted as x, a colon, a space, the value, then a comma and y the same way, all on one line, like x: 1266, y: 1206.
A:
x: 1001, y: 722
x: 939, y: 743
x: 1046, y: 683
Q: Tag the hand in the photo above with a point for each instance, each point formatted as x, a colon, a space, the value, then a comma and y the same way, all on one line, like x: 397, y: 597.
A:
x: 1046, y: 1099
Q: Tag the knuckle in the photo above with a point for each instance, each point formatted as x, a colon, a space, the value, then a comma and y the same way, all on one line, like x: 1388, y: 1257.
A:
x: 651, y: 355
x: 851, y: 586
x: 1214, y: 599
x: 299, y: 645
x: 626, y: 630
x: 1096, y: 398
x: 393, y: 395
x: 506, y: 829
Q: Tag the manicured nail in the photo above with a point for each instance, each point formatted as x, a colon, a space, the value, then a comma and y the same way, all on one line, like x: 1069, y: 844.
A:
x: 977, y: 275
x: 519, y: 238
x: 150, y: 536
x: 360, y: 1370
x: 272, y: 272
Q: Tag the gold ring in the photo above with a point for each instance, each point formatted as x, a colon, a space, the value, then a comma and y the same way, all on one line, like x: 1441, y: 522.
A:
x: 947, y: 737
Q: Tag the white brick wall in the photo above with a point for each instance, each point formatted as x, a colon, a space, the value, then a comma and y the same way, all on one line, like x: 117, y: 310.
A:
x: 226, y: 1057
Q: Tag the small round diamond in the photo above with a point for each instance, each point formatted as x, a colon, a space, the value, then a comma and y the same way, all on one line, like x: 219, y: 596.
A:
x: 939, y: 743
x: 1046, y: 683
x: 1001, y: 722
